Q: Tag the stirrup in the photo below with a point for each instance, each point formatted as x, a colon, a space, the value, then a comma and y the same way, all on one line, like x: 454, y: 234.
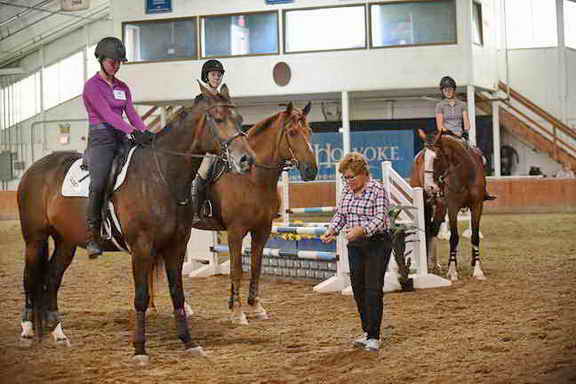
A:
x: 93, y: 249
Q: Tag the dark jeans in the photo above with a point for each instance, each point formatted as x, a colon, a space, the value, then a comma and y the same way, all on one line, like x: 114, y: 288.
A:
x: 368, y: 260
x: 104, y: 142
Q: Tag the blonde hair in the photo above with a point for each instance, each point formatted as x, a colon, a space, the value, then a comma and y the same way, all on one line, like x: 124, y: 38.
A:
x: 355, y: 162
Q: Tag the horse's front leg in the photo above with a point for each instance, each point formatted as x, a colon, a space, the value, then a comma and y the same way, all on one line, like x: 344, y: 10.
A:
x: 142, y: 266
x: 476, y: 213
x: 235, y: 237
x: 259, y: 239
x: 174, y: 259
x: 59, y: 262
x: 454, y: 238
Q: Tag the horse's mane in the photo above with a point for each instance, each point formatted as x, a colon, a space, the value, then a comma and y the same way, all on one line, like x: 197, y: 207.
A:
x: 261, y: 126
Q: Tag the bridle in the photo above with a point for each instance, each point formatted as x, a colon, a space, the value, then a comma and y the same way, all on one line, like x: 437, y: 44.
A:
x: 223, y: 155
x: 283, y: 165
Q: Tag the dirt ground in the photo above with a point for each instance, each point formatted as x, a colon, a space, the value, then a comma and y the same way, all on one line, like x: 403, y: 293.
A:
x: 519, y: 326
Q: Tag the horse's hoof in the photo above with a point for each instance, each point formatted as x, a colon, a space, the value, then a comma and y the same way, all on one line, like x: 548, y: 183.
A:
x: 26, y: 341
x: 240, y: 319
x: 479, y: 277
x: 63, y: 341
x: 141, y: 360
x: 262, y: 315
x: 196, y: 352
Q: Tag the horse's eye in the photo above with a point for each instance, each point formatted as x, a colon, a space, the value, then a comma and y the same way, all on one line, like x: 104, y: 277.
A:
x: 218, y: 120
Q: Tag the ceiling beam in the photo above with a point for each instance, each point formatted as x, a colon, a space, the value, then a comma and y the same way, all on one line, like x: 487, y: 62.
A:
x: 11, y: 71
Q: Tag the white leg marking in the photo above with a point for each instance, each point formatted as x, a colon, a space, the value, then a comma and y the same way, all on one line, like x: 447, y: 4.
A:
x: 188, y: 309
x: 452, y: 272
x: 478, y: 273
x: 59, y: 336
x: 197, y: 351
x: 141, y: 360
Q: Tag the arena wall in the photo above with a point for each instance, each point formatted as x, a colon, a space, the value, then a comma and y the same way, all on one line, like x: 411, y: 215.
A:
x: 514, y: 196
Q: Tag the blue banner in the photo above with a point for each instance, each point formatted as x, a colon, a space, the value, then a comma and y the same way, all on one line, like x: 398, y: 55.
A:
x: 377, y: 146
x: 158, y: 6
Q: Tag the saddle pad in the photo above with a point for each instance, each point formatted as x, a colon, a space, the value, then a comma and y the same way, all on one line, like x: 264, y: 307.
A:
x: 77, y: 180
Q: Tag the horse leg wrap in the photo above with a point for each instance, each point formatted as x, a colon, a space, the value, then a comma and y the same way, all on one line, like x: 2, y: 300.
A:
x: 234, y: 297
x: 182, y: 328
x: 252, y: 293
x: 452, y: 259
x: 140, y: 333
x: 475, y: 255
x: 27, y: 314
x: 52, y: 319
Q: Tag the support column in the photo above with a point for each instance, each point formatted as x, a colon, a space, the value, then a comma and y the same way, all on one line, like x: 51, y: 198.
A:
x: 496, y: 138
x: 345, y: 123
x: 471, y: 112
x: 562, y: 68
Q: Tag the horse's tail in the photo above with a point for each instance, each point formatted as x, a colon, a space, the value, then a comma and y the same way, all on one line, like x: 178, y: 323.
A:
x: 153, y: 280
x: 38, y: 294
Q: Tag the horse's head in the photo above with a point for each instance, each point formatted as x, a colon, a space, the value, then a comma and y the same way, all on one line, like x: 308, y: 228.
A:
x: 296, y: 147
x: 220, y: 127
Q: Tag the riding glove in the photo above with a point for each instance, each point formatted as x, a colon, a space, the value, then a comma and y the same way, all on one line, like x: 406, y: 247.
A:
x: 143, y: 137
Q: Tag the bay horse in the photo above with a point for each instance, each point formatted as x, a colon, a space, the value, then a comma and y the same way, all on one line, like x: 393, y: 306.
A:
x: 459, y: 173
x: 249, y: 203
x: 151, y: 206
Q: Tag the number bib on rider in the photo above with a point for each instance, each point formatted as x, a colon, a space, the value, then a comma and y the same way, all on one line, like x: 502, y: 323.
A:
x: 119, y: 94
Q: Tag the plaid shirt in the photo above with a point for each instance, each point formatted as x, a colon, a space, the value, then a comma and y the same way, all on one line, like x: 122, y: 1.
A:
x: 368, y: 210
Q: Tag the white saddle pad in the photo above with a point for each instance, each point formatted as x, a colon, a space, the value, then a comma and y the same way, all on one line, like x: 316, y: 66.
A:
x: 77, y: 180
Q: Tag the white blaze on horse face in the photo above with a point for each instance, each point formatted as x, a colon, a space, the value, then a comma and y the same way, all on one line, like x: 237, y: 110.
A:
x: 429, y: 182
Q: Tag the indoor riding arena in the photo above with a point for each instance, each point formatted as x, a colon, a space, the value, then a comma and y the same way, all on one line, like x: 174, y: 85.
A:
x: 300, y: 84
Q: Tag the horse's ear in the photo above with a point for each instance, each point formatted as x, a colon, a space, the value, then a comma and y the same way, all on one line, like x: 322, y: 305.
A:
x: 422, y: 135
x: 307, y: 108
x: 289, y: 108
x: 204, y: 90
x: 224, y: 91
x: 437, y: 137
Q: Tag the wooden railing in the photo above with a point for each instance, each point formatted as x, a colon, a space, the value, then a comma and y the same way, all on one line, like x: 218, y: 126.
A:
x: 556, y: 125
x: 171, y: 111
x: 543, y: 134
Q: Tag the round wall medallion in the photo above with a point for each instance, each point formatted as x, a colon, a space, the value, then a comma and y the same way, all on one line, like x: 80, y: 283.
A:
x: 281, y: 74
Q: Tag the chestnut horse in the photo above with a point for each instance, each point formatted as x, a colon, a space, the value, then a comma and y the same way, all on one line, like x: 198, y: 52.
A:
x: 151, y: 206
x: 459, y: 173
x: 249, y: 203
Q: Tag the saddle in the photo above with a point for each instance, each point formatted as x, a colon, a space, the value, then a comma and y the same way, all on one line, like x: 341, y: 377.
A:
x: 110, y: 229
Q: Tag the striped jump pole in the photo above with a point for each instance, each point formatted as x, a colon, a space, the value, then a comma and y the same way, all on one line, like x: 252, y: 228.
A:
x: 311, y: 231
x: 309, y: 255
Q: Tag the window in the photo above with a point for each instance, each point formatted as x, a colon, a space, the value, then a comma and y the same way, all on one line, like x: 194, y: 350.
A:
x: 236, y: 35
x: 92, y: 64
x: 63, y: 80
x: 413, y: 23
x: 160, y: 40
x: 570, y: 23
x: 20, y: 100
x: 477, y: 28
x: 531, y: 23
x: 325, y: 29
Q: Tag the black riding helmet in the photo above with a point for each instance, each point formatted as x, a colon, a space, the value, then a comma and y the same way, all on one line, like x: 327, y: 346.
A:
x: 110, y: 48
x: 447, y: 82
x: 209, y: 66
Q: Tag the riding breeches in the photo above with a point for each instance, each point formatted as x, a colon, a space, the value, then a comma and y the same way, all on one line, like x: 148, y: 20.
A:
x: 204, y: 170
x: 104, y: 142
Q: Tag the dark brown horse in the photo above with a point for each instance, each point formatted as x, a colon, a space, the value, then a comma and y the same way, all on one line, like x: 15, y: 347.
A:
x: 459, y: 173
x: 249, y: 203
x: 150, y: 205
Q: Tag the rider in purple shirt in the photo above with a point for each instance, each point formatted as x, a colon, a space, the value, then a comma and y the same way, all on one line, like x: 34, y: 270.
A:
x: 106, y: 99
